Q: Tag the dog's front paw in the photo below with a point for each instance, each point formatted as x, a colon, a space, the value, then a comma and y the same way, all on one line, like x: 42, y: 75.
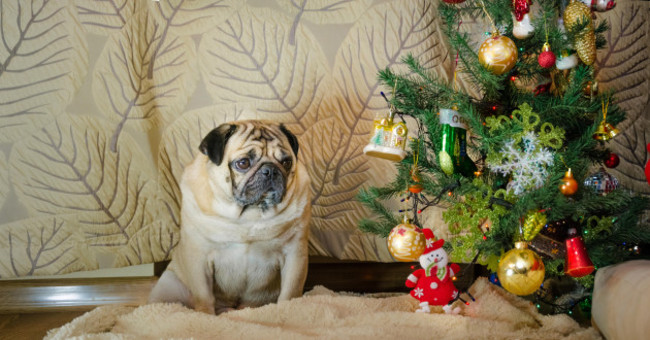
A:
x: 204, y: 308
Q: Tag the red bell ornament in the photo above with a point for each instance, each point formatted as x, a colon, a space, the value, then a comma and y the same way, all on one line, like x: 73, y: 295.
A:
x: 577, y: 262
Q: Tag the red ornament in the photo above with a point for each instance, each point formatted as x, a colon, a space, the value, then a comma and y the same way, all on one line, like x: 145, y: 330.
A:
x: 546, y: 58
x: 542, y: 88
x: 453, y: 1
x: 612, y: 161
x: 578, y: 263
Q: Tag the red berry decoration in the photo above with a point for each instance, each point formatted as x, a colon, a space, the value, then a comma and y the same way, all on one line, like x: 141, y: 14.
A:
x: 612, y: 161
x: 453, y: 1
x: 546, y: 59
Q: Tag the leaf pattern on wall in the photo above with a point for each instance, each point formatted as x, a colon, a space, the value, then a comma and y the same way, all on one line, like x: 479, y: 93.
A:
x: 623, y: 66
x: 179, y: 146
x: 380, y: 39
x: 247, y: 59
x: 334, y: 204
x: 68, y: 168
x: 187, y: 17
x: 43, y: 59
x: 152, y: 243
x: 144, y: 75
x: 326, y: 11
x: 323, y: 12
x: 106, y: 16
x: 4, y: 179
x: 38, y: 246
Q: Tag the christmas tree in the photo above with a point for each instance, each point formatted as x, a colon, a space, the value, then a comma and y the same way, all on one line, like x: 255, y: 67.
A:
x: 517, y: 161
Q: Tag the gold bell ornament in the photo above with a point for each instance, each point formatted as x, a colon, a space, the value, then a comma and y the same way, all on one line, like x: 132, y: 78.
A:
x: 406, y: 242
x: 498, y: 54
x: 388, y: 139
x: 521, y: 271
x: 605, y: 131
x: 577, y: 12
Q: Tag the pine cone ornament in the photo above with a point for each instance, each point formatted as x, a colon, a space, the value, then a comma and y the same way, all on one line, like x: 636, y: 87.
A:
x: 575, y: 13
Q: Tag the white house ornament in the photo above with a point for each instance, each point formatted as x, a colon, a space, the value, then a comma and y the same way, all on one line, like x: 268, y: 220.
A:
x: 566, y: 61
x: 388, y: 139
x: 498, y: 54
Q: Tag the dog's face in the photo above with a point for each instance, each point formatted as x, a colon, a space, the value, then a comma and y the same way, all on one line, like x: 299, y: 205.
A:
x: 260, y: 156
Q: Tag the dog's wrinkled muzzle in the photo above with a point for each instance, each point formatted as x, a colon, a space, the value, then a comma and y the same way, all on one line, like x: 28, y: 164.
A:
x: 265, y: 188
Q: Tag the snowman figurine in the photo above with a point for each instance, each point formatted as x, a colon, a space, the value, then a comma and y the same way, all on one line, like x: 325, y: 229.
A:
x: 432, y: 284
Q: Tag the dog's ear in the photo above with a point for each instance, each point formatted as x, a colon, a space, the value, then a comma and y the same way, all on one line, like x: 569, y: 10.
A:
x: 293, y: 141
x: 213, y: 144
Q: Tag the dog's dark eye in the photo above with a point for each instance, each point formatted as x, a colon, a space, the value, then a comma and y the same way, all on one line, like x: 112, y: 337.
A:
x: 243, y: 164
x: 287, y: 164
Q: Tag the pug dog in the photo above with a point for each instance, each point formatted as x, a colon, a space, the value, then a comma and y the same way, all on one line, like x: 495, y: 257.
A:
x: 244, y: 221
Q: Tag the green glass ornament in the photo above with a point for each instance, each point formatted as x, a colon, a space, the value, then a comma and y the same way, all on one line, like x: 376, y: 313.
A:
x: 452, y: 156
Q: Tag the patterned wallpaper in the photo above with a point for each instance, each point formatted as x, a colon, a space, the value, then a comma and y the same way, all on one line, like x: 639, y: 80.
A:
x: 102, y: 103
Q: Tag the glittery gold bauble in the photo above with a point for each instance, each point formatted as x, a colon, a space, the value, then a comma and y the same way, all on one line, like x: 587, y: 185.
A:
x: 577, y: 12
x: 498, y: 54
x: 406, y: 242
x: 533, y: 224
x: 521, y: 271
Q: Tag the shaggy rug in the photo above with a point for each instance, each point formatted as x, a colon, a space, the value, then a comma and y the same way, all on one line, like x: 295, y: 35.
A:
x: 324, y: 314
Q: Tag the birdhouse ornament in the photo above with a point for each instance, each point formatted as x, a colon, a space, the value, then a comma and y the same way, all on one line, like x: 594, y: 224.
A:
x: 432, y: 284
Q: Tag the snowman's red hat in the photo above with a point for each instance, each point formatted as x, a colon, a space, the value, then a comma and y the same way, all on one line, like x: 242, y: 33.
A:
x: 431, y: 243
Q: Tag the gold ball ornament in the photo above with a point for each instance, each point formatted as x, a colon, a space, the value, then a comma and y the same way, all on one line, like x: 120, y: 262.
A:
x: 406, y: 242
x: 498, y: 54
x: 521, y: 271
x: 577, y: 12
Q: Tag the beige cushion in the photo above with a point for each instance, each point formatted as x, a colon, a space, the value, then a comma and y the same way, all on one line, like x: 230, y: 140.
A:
x: 621, y: 301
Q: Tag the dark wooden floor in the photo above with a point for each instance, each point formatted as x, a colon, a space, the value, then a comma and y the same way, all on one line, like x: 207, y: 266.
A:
x: 27, y: 310
x: 32, y: 325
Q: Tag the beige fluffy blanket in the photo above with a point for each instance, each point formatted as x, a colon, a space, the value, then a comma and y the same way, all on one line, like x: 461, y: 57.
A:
x: 324, y: 314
